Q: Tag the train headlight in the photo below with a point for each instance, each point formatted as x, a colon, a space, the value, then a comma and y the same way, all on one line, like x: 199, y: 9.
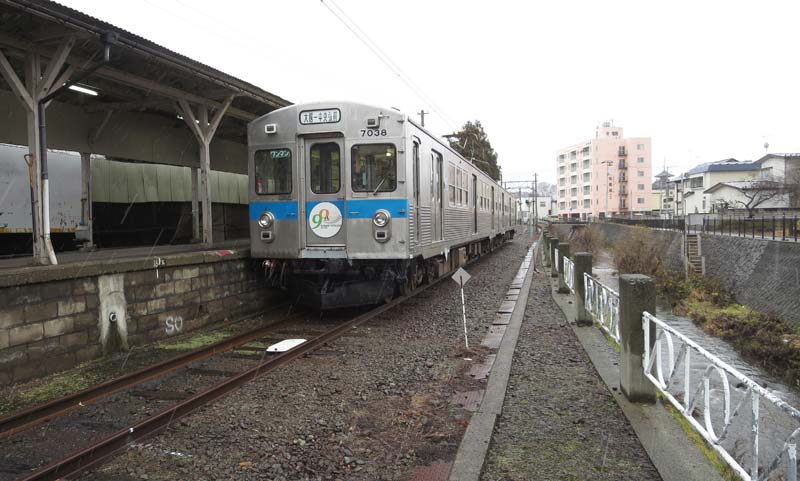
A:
x: 381, y: 218
x: 266, y: 220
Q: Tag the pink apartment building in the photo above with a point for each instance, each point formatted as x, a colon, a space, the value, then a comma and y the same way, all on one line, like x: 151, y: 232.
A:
x: 624, y: 164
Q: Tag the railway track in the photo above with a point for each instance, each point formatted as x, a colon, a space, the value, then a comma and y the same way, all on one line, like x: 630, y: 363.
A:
x: 103, y: 449
x: 35, y: 415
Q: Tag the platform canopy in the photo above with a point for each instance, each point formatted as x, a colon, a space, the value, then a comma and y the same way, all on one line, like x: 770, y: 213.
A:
x: 141, y: 92
x: 70, y: 81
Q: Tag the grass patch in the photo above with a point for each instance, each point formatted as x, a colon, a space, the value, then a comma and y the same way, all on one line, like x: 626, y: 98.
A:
x: 194, y: 342
x: 727, y: 473
x: 50, y: 387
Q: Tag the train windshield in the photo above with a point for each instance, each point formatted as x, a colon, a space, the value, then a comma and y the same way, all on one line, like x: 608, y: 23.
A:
x: 273, y: 171
x: 374, y: 168
x: 325, y: 168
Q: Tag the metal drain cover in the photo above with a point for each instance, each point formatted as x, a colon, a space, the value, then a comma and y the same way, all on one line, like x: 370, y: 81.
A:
x: 468, y: 400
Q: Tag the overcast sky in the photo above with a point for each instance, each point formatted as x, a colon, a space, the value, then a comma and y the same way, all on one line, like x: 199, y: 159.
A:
x: 706, y: 80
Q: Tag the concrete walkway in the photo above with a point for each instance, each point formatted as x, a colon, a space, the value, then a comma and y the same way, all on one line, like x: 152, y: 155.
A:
x: 562, y: 416
x: 673, y: 454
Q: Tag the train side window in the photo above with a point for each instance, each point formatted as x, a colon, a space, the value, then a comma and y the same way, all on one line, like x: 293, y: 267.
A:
x: 273, y: 170
x: 325, y: 168
x: 374, y: 168
x: 451, y: 180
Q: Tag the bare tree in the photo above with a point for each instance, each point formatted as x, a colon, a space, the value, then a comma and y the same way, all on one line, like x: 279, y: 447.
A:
x: 756, y: 193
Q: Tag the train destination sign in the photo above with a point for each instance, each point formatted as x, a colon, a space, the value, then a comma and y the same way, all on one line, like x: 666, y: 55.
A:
x: 327, y: 116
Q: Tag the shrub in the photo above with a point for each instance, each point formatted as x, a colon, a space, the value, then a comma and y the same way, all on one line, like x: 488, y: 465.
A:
x: 588, y: 239
x: 637, y: 253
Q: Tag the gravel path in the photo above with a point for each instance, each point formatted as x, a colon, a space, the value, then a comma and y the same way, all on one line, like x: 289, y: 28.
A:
x: 373, y: 405
x: 559, y: 421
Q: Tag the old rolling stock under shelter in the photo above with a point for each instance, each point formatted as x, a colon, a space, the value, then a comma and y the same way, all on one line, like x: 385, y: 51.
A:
x: 74, y: 83
x: 116, y: 104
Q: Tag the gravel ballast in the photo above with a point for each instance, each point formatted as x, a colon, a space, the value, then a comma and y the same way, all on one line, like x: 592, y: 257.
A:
x: 373, y: 405
x: 559, y: 421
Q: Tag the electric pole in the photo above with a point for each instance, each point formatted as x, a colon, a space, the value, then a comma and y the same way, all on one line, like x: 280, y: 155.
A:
x: 535, y: 200
x: 422, y: 114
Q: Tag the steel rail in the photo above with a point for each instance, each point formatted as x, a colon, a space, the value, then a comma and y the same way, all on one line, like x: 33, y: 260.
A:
x: 38, y: 414
x: 97, y: 453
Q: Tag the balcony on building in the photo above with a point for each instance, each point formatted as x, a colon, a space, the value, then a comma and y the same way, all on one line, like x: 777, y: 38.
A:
x: 622, y: 152
x: 622, y: 165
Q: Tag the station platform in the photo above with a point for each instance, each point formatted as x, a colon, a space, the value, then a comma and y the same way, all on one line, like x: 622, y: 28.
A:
x: 23, y: 270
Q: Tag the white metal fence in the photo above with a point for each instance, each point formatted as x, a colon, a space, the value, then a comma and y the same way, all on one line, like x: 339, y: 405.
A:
x: 602, y: 303
x: 698, y: 400
x: 569, y: 273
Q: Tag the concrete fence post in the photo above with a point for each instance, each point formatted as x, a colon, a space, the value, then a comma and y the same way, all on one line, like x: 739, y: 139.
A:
x: 583, y: 263
x: 546, y: 237
x: 637, y: 293
x: 553, y: 260
x: 563, y: 252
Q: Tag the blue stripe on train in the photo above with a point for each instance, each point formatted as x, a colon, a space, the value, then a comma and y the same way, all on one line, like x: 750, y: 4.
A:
x: 282, y: 210
x: 365, y: 208
x: 356, y: 208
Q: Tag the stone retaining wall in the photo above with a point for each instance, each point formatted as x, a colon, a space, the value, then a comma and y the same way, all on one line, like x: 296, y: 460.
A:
x: 762, y: 274
x: 55, y: 324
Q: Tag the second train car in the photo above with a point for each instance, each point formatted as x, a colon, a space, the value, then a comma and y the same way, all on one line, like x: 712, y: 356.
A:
x: 352, y: 204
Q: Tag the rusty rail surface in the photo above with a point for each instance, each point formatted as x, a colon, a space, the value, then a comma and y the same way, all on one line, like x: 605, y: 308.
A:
x: 35, y: 415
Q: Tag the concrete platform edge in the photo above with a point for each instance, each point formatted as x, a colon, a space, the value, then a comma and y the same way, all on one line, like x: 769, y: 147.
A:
x: 472, y: 450
x: 674, y: 456
x: 35, y: 274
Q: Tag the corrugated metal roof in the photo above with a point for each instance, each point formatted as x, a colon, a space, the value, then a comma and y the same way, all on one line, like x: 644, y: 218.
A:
x: 76, y: 19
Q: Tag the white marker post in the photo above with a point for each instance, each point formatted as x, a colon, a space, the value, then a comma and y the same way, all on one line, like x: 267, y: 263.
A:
x: 461, y: 277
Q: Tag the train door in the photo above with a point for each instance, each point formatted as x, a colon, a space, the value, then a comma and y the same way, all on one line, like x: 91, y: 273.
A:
x: 439, y: 203
x: 502, y: 210
x: 494, y: 205
x: 325, y: 199
x: 474, y: 203
x: 416, y: 188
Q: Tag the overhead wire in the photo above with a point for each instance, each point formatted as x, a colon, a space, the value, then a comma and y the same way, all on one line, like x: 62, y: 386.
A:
x: 373, y: 46
x: 349, y: 23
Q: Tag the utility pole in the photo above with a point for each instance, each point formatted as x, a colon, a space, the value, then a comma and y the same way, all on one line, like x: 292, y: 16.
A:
x: 422, y: 114
x: 535, y: 200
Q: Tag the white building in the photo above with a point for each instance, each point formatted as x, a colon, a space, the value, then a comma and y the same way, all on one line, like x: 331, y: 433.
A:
x: 545, y: 207
x: 692, y: 186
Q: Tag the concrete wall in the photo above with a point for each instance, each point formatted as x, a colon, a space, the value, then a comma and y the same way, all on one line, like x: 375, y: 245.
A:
x: 762, y: 274
x: 55, y: 324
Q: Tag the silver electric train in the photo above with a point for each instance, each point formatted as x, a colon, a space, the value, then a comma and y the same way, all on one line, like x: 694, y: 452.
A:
x: 352, y: 204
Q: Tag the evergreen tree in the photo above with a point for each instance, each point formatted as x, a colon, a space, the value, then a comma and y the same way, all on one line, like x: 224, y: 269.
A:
x: 473, y: 143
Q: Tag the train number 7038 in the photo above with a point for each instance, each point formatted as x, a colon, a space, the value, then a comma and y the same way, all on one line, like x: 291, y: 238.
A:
x: 373, y: 132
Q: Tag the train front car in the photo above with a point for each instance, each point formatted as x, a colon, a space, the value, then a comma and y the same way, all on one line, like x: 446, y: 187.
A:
x: 328, y: 204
